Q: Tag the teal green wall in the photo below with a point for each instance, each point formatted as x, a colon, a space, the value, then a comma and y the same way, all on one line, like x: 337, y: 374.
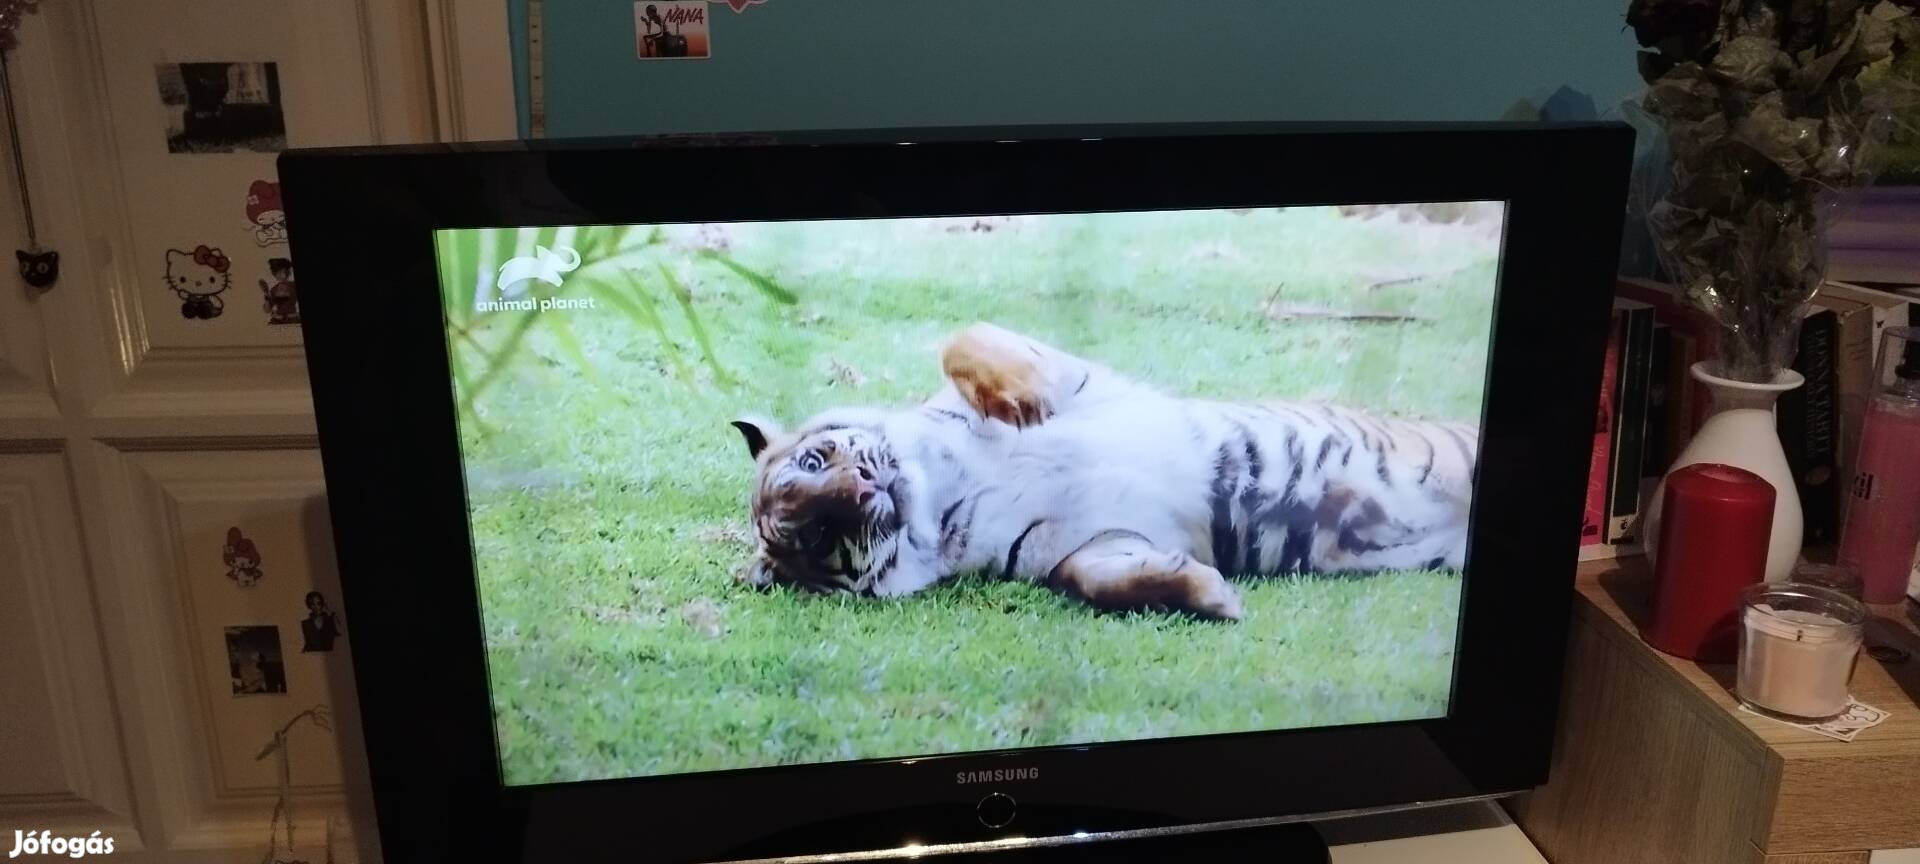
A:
x: 797, y: 64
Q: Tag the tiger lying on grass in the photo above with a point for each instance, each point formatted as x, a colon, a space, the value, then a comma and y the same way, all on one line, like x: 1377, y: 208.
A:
x: 1034, y: 464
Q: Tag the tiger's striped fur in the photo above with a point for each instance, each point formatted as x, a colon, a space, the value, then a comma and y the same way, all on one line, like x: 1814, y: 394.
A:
x: 1034, y: 464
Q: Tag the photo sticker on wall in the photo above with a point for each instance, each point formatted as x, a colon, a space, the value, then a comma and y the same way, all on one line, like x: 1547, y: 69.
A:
x: 265, y: 217
x: 278, y: 297
x: 242, y: 559
x: 254, y: 661
x: 222, y: 107
x: 672, y: 30
x: 198, y: 278
x: 321, y: 626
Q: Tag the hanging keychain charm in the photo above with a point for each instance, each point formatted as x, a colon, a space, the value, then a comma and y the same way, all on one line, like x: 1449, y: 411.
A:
x: 39, y: 267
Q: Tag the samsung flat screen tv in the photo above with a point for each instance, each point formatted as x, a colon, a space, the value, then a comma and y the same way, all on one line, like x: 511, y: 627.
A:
x: 749, y: 496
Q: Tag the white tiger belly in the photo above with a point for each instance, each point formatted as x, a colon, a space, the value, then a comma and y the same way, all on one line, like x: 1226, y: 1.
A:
x: 1043, y: 492
x: 1245, y: 488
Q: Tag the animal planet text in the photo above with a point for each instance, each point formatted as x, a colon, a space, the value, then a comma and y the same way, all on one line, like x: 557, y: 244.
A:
x: 531, y: 305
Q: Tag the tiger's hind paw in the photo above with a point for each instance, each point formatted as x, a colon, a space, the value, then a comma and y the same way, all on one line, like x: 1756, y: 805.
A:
x: 999, y: 375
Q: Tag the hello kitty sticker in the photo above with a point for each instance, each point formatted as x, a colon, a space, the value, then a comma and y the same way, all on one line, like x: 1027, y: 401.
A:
x: 198, y: 278
x: 265, y: 216
x: 242, y: 559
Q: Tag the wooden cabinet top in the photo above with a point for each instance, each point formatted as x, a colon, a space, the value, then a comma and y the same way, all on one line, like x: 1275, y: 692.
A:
x: 1828, y: 794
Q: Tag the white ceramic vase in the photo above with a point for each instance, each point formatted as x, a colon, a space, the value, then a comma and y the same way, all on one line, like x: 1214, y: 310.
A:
x: 1742, y: 432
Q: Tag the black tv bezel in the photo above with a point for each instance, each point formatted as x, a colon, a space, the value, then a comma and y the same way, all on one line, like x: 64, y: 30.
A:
x: 362, y: 221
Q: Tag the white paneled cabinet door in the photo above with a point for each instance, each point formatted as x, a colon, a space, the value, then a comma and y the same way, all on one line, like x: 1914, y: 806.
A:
x: 168, y: 600
x: 58, y: 733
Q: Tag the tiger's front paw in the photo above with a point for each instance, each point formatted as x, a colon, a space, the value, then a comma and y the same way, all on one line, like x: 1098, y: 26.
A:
x: 1222, y: 604
x: 999, y: 374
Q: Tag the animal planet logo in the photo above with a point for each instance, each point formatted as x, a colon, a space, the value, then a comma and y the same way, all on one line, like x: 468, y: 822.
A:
x: 517, y: 276
x: 546, y: 265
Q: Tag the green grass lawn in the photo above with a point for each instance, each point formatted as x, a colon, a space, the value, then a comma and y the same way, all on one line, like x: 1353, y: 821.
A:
x: 609, y: 496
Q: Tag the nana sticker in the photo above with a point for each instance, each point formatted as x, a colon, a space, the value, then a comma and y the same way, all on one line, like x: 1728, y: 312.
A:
x: 265, y: 216
x: 253, y: 659
x: 242, y: 559
x: 278, y: 298
x: 671, y: 30
x: 198, y: 278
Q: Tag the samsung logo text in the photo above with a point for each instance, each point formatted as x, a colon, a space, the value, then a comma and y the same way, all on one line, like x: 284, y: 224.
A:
x: 997, y: 775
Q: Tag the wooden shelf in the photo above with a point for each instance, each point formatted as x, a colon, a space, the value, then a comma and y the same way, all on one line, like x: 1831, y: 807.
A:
x: 1654, y: 762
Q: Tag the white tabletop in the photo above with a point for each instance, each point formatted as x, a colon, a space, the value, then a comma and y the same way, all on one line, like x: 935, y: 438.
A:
x: 1477, y: 833
x: 1503, y: 845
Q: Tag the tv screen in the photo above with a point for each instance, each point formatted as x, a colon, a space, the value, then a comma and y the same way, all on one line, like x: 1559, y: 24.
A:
x: 772, y: 493
x: 747, y: 496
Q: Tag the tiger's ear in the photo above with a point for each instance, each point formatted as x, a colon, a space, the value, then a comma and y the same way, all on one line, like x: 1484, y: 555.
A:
x: 759, y: 432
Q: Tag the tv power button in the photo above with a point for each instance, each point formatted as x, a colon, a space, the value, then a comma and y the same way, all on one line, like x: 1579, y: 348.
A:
x: 997, y: 810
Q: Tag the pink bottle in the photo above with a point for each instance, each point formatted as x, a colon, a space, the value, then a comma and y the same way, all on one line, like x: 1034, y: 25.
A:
x: 1883, y: 508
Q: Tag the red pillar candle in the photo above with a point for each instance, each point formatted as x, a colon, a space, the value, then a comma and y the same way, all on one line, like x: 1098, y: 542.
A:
x: 1713, y: 542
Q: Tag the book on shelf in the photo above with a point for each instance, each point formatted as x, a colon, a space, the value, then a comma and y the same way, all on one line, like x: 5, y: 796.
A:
x: 1657, y: 452
x: 1630, y: 393
x: 1862, y: 313
x: 1593, y: 530
x: 1692, y: 336
x: 1890, y: 308
x: 1853, y: 372
x: 1617, y: 472
x: 1808, y: 419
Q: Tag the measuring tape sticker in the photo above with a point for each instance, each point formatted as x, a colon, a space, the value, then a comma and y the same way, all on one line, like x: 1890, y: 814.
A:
x: 536, y: 72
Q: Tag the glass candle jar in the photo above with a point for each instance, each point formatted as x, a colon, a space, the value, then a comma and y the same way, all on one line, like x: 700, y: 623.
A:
x: 1798, y: 644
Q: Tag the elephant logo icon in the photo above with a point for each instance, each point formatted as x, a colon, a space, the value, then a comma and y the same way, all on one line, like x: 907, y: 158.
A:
x: 545, y: 265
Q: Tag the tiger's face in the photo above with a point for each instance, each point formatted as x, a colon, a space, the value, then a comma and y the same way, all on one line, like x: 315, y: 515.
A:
x: 825, y: 507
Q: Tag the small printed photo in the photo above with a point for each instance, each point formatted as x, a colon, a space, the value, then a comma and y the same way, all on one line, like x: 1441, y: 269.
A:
x: 320, y: 627
x: 279, y: 298
x: 222, y: 107
x: 671, y: 30
x: 253, y: 659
